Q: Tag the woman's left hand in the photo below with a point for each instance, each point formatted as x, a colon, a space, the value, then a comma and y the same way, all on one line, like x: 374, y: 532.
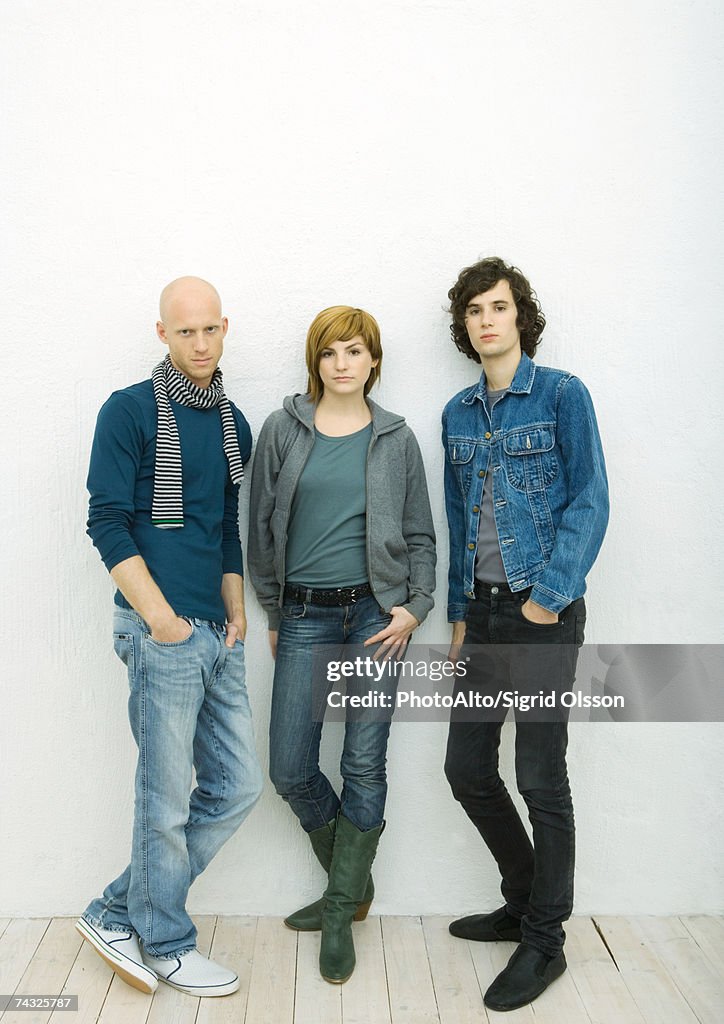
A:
x: 393, y: 638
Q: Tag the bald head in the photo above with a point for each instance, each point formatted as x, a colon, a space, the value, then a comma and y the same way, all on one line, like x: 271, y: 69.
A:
x: 192, y: 326
x: 185, y: 290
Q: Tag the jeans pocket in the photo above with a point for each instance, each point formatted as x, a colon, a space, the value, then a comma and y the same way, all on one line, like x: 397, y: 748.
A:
x: 539, y: 625
x: 124, y: 648
x: 173, y: 643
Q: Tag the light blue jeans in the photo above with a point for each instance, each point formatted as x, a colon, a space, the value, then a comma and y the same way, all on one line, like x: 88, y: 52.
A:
x: 188, y: 708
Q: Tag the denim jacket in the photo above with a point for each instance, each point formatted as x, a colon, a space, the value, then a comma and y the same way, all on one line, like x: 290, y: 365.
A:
x: 550, y: 492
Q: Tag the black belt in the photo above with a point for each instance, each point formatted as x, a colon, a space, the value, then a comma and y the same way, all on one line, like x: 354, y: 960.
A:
x: 331, y: 598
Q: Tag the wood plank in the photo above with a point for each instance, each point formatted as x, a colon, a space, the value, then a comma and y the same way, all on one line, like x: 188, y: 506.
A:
x: 669, y: 972
x: 365, y: 999
x: 169, y: 1006
x: 18, y: 944
x: 412, y: 997
x: 315, y: 999
x: 124, y: 1004
x: 698, y: 980
x: 457, y: 992
x: 708, y: 933
x: 48, y: 971
x: 561, y: 1004
x: 271, y: 987
x: 657, y: 997
x: 89, y: 979
x: 233, y: 946
x: 600, y: 986
x: 489, y: 959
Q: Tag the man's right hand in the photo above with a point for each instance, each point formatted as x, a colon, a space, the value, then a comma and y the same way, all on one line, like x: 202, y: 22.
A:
x: 135, y: 582
x: 172, y: 631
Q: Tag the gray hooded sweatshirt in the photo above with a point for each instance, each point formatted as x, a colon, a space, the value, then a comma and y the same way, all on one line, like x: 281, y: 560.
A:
x: 400, y: 534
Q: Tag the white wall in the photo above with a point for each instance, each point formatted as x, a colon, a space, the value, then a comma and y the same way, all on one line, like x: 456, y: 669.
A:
x: 300, y: 155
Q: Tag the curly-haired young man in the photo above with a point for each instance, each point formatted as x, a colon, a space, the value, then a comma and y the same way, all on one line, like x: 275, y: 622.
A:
x: 527, y: 506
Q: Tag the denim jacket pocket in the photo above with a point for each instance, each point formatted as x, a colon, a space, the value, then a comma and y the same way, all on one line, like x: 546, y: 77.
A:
x: 530, y: 461
x: 460, y: 455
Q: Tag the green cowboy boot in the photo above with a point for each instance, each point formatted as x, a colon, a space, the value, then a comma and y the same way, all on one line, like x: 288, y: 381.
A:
x: 309, y: 918
x: 352, y: 859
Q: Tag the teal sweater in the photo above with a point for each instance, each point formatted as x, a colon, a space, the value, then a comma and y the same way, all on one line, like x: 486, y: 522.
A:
x: 186, y: 563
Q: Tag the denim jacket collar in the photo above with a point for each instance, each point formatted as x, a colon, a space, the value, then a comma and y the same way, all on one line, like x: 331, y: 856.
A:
x: 522, y: 382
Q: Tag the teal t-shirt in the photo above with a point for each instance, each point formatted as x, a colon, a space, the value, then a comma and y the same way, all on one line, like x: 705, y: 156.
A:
x: 327, y: 533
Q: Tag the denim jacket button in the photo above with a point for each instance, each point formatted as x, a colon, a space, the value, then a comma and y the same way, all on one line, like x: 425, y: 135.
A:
x: 470, y: 547
x: 481, y: 472
x: 488, y: 435
x: 476, y: 508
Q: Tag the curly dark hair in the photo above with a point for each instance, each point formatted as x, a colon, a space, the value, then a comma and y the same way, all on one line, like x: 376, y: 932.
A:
x: 481, y: 277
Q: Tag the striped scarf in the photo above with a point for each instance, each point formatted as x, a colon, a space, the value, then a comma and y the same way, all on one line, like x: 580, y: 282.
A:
x: 167, y: 511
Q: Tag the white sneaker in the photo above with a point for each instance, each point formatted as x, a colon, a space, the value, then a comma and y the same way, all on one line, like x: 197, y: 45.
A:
x: 194, y: 974
x: 121, y: 951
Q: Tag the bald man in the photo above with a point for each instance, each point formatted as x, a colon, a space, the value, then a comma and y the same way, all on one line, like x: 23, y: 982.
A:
x: 165, y: 469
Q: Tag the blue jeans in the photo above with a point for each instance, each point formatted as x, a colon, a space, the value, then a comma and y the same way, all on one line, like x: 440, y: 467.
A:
x: 537, y: 879
x: 188, y: 708
x: 294, y: 734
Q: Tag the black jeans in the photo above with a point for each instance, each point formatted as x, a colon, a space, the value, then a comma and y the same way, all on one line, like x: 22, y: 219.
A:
x: 537, y: 879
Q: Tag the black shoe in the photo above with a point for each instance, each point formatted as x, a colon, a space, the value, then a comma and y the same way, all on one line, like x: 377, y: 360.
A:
x: 500, y: 926
x: 529, y: 972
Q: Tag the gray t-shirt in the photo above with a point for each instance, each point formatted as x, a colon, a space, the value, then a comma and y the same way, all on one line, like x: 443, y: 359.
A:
x: 488, y: 562
x: 327, y: 533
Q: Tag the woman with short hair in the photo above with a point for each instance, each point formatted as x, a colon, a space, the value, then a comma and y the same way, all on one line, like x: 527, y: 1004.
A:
x: 341, y: 551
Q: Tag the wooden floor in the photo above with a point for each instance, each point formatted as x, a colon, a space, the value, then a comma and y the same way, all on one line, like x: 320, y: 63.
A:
x: 622, y: 970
